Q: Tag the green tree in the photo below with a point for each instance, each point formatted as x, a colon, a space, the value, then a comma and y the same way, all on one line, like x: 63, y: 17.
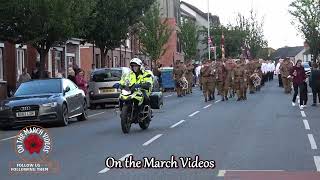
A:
x: 307, y: 19
x: 189, y: 37
x: 255, y: 36
x: 41, y: 23
x: 109, y: 22
x: 154, y: 33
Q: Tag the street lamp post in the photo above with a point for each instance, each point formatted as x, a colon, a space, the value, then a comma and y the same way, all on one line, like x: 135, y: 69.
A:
x: 209, y: 31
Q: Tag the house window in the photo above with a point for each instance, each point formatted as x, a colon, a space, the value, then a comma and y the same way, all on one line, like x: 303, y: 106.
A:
x: 58, y: 62
x: 98, y: 60
x: 20, y: 61
x: 1, y: 65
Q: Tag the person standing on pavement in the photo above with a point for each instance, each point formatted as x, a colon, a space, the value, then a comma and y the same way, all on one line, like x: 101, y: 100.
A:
x: 246, y: 78
x: 251, y: 72
x: 81, y: 81
x: 278, y: 73
x: 24, y: 77
x: 298, y: 78
x: 285, y: 69
x: 314, y: 83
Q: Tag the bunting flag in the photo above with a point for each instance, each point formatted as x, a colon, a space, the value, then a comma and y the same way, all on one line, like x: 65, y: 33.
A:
x: 222, y: 46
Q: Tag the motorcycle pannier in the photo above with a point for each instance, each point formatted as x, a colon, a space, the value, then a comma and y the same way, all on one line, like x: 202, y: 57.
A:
x: 155, y: 100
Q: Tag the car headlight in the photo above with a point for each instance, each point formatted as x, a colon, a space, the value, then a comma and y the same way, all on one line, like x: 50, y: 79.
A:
x: 4, y: 108
x: 52, y: 104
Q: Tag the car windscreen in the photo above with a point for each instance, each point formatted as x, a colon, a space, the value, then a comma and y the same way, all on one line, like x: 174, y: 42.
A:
x: 39, y: 87
x: 107, y: 75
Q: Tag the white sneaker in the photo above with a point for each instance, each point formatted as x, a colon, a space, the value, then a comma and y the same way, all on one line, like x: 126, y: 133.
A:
x: 304, y: 106
x: 301, y: 107
x: 293, y: 104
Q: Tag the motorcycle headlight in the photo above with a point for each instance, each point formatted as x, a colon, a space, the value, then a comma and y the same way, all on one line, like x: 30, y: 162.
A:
x: 125, y: 92
x: 52, y: 104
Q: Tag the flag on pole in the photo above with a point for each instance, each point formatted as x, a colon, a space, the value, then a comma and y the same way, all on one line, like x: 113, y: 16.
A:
x: 222, y: 46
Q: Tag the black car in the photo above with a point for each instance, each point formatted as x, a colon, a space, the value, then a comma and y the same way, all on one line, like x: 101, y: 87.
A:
x: 44, y: 101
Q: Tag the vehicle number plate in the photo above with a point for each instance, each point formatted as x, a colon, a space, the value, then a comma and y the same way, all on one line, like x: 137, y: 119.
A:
x: 26, y: 114
x: 108, y: 90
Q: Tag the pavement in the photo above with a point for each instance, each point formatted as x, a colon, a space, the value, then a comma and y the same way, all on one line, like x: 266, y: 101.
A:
x: 262, y: 137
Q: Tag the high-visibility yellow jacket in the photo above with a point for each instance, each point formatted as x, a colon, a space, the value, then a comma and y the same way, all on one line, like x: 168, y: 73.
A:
x: 144, y: 79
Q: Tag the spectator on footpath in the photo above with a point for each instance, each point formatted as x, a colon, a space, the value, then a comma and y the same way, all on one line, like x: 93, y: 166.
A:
x: 279, y: 73
x: 72, y: 75
x: 24, y: 77
x: 314, y: 83
x: 81, y: 81
x: 298, y: 77
x: 36, y: 72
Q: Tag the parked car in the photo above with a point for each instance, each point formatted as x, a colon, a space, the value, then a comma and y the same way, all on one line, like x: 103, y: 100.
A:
x: 44, y: 101
x: 101, y: 90
x: 307, y: 68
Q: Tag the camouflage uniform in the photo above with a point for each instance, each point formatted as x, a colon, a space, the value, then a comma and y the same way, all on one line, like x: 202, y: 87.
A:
x: 189, y: 76
x: 177, y: 75
x: 220, y: 74
x: 285, y: 69
x: 239, y: 80
x: 228, y: 83
x: 207, y: 77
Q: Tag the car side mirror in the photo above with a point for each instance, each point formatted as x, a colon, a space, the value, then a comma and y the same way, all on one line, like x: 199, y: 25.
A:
x: 67, y: 89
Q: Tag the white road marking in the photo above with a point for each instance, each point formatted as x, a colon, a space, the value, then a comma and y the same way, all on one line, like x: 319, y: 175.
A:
x: 317, y: 162
x: 193, y: 114
x: 168, y: 95
x: 124, y: 157
x: 207, y: 106
x: 312, y: 142
x: 223, y: 172
x: 310, y: 94
x: 151, y: 140
x: 8, y: 138
x: 121, y: 159
x: 303, y: 114
x: 217, y: 101
x: 176, y: 124
x: 96, y: 114
x: 306, y: 124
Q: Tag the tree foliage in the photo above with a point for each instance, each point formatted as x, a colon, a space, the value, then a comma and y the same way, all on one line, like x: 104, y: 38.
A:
x: 41, y: 23
x: 110, y: 21
x: 246, y: 33
x: 154, y: 33
x: 306, y: 15
x: 189, y: 37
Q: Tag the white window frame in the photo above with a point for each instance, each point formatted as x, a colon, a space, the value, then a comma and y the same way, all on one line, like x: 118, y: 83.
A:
x: 1, y: 65
x: 20, y: 61
x: 58, y: 56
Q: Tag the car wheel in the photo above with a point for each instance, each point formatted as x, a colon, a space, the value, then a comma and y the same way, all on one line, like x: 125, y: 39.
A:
x: 64, y: 121
x: 84, y: 115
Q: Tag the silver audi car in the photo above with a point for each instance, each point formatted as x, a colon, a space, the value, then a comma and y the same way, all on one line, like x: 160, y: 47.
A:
x: 44, y: 101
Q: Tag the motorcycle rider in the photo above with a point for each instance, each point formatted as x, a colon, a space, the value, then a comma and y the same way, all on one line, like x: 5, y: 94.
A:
x: 140, y: 78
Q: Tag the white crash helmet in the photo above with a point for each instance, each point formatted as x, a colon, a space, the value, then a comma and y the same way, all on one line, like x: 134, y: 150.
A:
x: 136, y: 61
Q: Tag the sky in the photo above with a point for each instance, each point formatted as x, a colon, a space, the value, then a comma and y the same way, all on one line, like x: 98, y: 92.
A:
x: 278, y: 30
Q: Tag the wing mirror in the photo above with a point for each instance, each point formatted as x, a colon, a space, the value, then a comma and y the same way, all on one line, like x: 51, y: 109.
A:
x: 67, y: 90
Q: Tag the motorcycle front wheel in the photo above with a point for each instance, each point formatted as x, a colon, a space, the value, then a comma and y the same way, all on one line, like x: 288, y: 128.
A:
x: 125, y: 120
x: 145, y: 123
